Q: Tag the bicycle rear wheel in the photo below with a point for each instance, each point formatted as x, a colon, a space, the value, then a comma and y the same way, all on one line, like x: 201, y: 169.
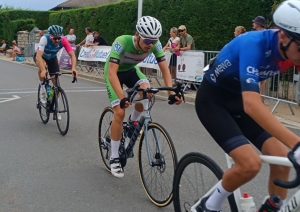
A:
x: 104, y: 135
x: 195, y: 175
x: 62, y: 113
x: 43, y: 108
x: 157, y: 178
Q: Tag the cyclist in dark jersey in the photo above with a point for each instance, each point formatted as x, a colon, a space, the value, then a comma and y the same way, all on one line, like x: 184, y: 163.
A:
x: 230, y: 107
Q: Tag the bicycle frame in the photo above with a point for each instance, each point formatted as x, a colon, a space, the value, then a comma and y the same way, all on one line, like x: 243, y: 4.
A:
x: 144, y: 121
x: 292, y: 204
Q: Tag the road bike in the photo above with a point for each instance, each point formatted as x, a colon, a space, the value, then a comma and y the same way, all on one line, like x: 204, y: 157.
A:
x: 197, y: 174
x: 157, y: 157
x: 56, y: 103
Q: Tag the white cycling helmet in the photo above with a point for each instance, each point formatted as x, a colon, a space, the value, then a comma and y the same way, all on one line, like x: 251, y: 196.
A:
x: 287, y: 17
x: 149, y: 27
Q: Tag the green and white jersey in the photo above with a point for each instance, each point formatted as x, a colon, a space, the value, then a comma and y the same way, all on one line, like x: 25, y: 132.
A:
x: 124, y: 53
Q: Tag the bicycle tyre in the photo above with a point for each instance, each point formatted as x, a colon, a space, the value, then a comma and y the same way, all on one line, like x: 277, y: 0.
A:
x: 64, y: 101
x: 163, y: 198
x: 196, y: 157
x: 43, y: 107
x: 104, y: 133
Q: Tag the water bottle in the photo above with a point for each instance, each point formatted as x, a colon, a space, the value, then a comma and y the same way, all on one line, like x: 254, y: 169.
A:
x: 247, y: 204
x: 51, y: 94
x: 48, y: 88
x: 273, y: 203
x: 132, y: 128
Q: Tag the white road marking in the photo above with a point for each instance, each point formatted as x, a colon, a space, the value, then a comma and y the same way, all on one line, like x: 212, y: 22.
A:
x: 67, y: 91
x: 9, y: 99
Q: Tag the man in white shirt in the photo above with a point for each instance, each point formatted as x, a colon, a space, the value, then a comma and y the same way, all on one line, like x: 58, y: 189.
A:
x: 71, y: 37
x: 89, y: 37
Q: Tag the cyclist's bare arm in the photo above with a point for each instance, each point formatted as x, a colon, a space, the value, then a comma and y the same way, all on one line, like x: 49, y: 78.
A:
x: 41, y: 63
x: 114, y: 80
x: 166, y: 74
x: 255, y: 108
x: 73, y: 61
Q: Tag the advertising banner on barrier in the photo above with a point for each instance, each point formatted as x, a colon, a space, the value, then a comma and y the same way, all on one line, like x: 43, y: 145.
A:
x: 100, y: 53
x: 64, y: 59
x: 94, y: 53
x: 190, y: 66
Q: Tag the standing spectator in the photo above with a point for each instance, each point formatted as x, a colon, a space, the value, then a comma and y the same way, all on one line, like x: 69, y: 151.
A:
x: 258, y: 23
x: 88, y: 39
x: 98, y: 40
x: 71, y: 37
x: 172, y: 44
x: 239, y: 30
x: 41, y: 33
x: 186, y: 43
x: 2, y: 48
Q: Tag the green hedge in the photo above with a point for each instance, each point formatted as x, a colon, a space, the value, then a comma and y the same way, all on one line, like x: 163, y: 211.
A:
x: 10, y: 21
x: 211, y: 23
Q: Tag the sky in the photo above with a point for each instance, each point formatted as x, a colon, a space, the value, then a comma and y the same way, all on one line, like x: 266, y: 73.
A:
x: 32, y: 4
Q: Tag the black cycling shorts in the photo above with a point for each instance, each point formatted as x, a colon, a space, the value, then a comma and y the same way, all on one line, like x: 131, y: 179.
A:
x: 221, y: 113
x: 173, y: 60
x: 52, y: 64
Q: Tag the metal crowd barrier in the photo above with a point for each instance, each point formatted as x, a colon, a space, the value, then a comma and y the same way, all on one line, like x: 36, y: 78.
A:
x: 90, y: 66
x: 29, y: 50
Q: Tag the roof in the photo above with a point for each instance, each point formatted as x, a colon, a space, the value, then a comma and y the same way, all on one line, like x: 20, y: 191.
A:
x: 80, y: 3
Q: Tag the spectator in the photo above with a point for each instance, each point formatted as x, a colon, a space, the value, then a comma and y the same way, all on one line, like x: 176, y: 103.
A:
x: 2, y: 48
x: 15, y: 51
x: 98, y: 40
x: 71, y: 37
x: 89, y: 37
x: 9, y: 51
x: 239, y: 30
x: 171, y: 44
x: 186, y: 43
x: 87, y: 41
x: 41, y: 33
x: 258, y: 23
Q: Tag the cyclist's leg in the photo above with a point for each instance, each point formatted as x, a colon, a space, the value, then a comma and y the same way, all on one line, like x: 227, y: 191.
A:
x: 217, y: 120
x: 136, y: 76
x: 43, y: 89
x: 115, y: 128
x: 268, y: 145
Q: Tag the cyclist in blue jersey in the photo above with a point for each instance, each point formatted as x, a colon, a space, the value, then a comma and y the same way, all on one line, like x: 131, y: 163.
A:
x: 48, y: 47
x: 230, y: 107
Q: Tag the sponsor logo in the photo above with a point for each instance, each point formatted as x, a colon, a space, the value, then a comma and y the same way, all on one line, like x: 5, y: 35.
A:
x: 265, y: 74
x: 268, y: 53
x: 118, y: 47
x: 219, y: 69
x: 115, y: 103
x: 286, y: 26
x: 251, y: 80
x: 159, y: 47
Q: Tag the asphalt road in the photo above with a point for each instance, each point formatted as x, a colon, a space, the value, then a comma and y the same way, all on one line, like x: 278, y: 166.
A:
x: 42, y: 171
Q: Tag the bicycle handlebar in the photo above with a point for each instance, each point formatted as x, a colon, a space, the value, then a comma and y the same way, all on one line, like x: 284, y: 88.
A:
x: 131, y: 92
x: 294, y: 183
x: 59, y: 73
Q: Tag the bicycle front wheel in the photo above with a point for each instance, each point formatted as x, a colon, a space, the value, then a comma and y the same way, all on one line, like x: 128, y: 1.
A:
x: 195, y: 175
x: 157, y: 177
x: 43, y: 110
x: 62, y: 113
x: 104, y: 135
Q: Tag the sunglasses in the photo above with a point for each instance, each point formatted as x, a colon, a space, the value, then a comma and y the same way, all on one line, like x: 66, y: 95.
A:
x: 181, y: 30
x: 55, y: 38
x: 149, y: 41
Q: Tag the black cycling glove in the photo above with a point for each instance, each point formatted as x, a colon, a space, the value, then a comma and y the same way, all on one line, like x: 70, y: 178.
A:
x: 172, y: 99
x: 123, y: 101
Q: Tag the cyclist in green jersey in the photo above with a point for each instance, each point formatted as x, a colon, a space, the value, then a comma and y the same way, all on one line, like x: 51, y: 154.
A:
x: 121, y: 68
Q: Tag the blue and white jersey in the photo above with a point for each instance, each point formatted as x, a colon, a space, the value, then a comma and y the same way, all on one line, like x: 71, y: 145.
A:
x: 245, y: 61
